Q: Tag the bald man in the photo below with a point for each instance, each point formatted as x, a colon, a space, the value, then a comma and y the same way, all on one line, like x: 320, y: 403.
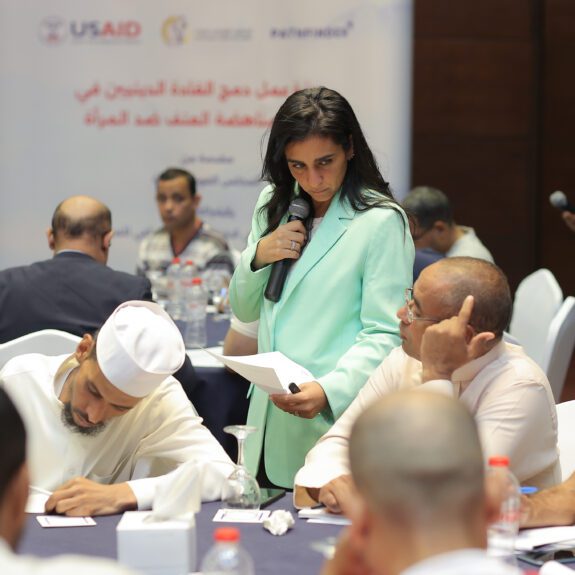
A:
x: 453, y: 342
x: 421, y: 506
x: 75, y: 291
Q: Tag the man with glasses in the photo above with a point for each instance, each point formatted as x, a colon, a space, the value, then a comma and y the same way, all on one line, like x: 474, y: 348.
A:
x: 452, y: 342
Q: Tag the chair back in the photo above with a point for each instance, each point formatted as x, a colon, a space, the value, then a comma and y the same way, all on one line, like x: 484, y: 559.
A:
x: 46, y: 342
x: 566, y: 437
x: 559, y: 347
x: 537, y: 300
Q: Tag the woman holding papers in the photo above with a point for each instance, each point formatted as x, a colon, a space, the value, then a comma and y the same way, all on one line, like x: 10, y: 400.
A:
x: 350, y: 260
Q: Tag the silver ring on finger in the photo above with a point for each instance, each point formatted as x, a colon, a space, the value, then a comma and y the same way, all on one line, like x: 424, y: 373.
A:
x: 293, y: 245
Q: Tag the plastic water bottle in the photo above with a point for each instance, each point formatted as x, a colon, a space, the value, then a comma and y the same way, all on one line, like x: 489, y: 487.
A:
x: 194, y: 330
x: 227, y: 555
x: 501, y: 534
x: 175, y: 300
x: 187, y: 274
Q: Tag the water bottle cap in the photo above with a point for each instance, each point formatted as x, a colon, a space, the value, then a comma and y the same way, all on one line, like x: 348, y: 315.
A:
x: 499, y: 461
x: 197, y: 281
x: 189, y: 262
x: 227, y: 534
x: 176, y: 260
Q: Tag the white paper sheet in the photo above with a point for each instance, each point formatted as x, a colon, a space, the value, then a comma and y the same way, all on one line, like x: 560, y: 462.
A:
x: 530, y: 538
x: 272, y: 372
x: 203, y: 357
x: 322, y: 515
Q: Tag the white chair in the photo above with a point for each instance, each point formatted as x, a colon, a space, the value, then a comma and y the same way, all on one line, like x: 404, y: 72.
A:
x: 537, y: 300
x: 566, y: 437
x: 46, y: 341
x: 559, y: 347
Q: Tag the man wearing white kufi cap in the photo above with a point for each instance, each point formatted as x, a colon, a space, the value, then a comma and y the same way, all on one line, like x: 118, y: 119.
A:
x: 106, y: 422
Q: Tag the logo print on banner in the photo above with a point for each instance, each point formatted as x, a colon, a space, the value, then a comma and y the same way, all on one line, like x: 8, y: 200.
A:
x: 174, y: 31
x: 307, y: 33
x: 53, y: 30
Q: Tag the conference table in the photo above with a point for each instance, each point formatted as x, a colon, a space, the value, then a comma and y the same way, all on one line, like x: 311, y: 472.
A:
x: 289, y: 554
x: 220, y: 397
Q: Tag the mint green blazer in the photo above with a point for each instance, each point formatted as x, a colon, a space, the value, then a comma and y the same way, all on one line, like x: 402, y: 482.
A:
x: 336, y: 317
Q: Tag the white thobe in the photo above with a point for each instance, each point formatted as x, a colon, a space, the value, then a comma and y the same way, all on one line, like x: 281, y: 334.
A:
x: 507, y: 393
x: 161, y: 432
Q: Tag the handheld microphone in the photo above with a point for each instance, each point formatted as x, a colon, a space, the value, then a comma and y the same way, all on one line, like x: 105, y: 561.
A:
x: 559, y: 200
x: 298, y: 210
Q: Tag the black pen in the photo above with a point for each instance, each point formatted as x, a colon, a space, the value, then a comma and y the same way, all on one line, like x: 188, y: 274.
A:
x: 293, y: 388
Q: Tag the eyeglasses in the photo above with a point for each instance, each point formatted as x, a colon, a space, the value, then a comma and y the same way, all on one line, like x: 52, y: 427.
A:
x: 411, y: 317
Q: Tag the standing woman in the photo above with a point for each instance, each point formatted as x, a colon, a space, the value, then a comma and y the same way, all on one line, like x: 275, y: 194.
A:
x: 352, y: 260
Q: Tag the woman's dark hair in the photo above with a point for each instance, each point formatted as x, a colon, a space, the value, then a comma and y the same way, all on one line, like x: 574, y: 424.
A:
x: 325, y: 113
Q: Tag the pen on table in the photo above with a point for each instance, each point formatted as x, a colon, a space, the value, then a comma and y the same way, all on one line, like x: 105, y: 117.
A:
x: 293, y: 388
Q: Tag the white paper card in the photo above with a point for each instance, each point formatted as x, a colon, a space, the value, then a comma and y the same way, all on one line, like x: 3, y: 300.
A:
x: 272, y: 372
x: 59, y: 521
x: 527, y: 539
x: 322, y: 515
x: 241, y: 515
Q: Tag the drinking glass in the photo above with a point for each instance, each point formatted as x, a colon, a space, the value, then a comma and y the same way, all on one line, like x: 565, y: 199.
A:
x: 243, y: 491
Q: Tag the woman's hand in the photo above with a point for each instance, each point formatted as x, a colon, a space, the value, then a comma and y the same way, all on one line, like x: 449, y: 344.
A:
x: 307, y: 403
x: 285, y: 242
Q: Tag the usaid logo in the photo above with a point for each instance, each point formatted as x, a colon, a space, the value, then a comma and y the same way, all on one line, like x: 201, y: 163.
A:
x: 54, y: 30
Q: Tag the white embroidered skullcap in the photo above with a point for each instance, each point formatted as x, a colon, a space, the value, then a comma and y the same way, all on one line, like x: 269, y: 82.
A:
x: 138, y: 347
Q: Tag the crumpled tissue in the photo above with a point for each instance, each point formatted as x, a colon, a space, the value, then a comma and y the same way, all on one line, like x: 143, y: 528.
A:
x: 279, y: 522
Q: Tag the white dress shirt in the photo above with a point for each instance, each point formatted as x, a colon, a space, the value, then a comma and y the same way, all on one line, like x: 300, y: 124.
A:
x: 12, y: 564
x: 462, y: 562
x: 507, y: 393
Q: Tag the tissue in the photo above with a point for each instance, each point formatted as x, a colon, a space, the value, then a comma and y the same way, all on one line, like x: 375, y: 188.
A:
x: 163, y: 541
x: 279, y: 522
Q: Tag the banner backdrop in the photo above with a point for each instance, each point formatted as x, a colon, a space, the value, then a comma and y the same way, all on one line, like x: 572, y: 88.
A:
x: 99, y: 97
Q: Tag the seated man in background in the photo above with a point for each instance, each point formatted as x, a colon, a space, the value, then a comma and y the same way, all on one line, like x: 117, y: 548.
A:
x: 184, y: 234
x: 105, y: 423
x: 421, y: 504
x: 435, y: 229
x: 453, y: 341
x: 75, y: 291
x: 13, y: 495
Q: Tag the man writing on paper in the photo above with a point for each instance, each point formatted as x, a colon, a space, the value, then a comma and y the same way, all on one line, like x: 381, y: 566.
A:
x: 454, y: 342
x: 422, y: 507
x: 13, y: 495
x: 105, y: 422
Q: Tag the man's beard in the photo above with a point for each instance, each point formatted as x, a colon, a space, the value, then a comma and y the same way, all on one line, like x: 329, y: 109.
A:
x: 68, y: 420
